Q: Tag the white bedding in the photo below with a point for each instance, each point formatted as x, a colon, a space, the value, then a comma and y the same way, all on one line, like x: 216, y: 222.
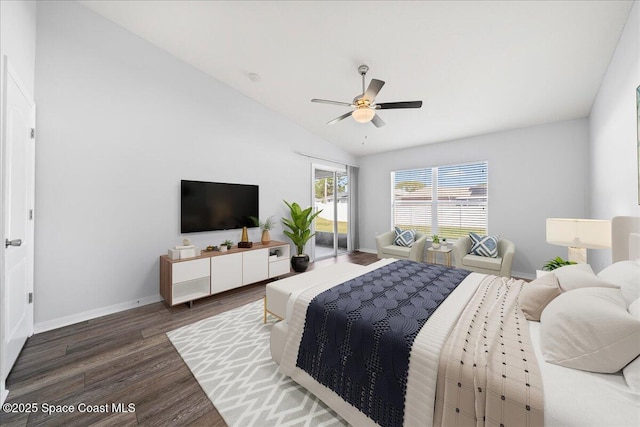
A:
x: 423, y: 367
x: 584, y: 399
x: 572, y: 397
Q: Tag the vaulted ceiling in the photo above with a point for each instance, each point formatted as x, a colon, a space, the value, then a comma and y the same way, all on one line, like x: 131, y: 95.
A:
x: 478, y: 67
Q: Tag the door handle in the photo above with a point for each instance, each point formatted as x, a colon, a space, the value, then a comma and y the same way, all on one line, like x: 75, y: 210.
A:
x: 15, y: 242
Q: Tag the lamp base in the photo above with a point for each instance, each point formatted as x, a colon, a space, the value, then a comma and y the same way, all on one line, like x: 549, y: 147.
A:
x: 578, y: 255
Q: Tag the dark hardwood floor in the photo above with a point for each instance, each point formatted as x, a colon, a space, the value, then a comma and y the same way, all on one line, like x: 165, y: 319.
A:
x: 123, y: 358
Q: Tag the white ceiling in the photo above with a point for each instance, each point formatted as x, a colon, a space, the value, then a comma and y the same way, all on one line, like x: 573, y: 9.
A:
x: 478, y: 67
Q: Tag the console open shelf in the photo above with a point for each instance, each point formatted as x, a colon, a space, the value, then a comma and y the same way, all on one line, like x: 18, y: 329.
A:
x: 185, y: 280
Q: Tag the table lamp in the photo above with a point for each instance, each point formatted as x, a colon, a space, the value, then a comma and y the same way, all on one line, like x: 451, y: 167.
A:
x: 579, y: 235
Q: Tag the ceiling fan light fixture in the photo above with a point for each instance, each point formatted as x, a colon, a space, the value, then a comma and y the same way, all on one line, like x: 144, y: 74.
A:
x: 363, y: 114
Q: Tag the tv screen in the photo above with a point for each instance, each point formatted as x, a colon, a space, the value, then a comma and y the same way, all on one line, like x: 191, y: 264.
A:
x: 208, y: 206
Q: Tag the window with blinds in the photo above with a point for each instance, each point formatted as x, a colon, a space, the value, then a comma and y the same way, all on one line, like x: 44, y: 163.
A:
x: 449, y: 201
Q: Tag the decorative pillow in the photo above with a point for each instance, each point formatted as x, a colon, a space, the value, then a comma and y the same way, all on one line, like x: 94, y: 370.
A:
x: 535, y: 296
x: 589, y: 329
x: 625, y: 274
x: 578, y: 276
x: 484, y: 245
x: 631, y: 372
x: 404, y: 237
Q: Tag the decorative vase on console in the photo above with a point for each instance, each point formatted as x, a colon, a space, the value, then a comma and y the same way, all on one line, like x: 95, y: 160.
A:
x: 265, y: 227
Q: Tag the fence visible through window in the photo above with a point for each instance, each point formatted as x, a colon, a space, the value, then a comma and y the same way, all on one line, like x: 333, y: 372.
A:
x: 450, y: 201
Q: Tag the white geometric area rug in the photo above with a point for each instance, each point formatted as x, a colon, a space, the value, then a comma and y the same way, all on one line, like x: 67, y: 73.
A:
x: 229, y: 356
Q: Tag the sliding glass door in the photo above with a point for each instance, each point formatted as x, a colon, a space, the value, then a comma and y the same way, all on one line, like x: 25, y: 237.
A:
x: 331, y: 196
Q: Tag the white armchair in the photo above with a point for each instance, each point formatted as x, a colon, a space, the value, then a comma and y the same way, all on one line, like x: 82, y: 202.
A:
x: 500, y: 266
x: 386, y: 248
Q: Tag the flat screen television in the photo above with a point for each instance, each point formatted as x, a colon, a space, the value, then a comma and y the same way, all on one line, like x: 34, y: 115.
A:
x: 209, y: 206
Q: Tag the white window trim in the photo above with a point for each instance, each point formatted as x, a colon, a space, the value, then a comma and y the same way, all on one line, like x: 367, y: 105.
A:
x: 434, y: 194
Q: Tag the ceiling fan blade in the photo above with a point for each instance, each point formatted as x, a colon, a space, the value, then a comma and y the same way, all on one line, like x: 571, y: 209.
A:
x: 373, y: 89
x: 394, y: 105
x: 326, y: 101
x: 377, y: 121
x: 342, y: 117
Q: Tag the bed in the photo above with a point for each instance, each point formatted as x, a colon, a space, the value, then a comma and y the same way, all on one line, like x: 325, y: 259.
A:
x: 554, y: 395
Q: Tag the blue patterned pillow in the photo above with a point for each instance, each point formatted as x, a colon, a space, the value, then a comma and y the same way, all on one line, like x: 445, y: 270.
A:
x: 484, y: 245
x: 404, y: 237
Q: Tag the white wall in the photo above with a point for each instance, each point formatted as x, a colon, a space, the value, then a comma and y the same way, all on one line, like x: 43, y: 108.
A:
x: 614, y: 138
x: 18, y: 38
x: 18, y: 44
x: 120, y: 123
x: 534, y: 173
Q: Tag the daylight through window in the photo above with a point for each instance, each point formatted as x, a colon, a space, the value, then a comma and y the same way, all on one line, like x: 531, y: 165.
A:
x: 449, y: 201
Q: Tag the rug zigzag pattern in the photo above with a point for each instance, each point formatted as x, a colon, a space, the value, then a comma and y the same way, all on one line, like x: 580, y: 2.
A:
x: 229, y: 356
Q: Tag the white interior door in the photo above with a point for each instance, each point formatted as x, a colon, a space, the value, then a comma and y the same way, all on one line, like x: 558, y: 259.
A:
x: 18, y: 165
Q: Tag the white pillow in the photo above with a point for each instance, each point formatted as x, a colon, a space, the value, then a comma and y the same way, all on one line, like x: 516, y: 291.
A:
x: 631, y: 372
x: 625, y: 274
x: 578, y: 276
x: 589, y: 329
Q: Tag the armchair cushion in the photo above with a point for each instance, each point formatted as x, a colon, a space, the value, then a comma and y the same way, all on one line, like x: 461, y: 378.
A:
x: 404, y: 237
x: 397, y: 251
x: 485, y: 262
x: 486, y: 246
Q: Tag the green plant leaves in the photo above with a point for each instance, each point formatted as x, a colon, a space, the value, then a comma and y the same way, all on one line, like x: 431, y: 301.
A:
x: 299, y: 224
x: 556, y: 262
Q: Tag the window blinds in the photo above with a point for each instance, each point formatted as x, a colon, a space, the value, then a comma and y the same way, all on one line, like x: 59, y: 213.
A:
x: 450, y: 201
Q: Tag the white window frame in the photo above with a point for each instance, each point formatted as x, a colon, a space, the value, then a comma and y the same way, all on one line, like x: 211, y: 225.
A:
x: 434, y: 203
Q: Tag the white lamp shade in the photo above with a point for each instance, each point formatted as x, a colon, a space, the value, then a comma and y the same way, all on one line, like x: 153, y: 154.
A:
x: 579, y: 233
x: 363, y: 114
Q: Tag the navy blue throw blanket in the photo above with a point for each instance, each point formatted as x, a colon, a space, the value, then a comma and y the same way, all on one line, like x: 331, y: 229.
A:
x: 358, y: 335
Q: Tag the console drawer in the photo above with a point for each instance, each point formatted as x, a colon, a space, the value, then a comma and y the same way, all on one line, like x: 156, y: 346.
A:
x: 190, y: 270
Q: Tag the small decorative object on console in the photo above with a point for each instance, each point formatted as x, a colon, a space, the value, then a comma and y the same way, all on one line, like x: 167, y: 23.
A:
x: 183, y: 251
x: 245, y: 236
x: 265, y: 227
x: 436, y: 241
x: 244, y: 240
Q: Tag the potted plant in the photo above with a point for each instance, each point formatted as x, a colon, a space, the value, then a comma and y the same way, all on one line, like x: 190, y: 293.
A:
x: 299, y: 232
x: 226, y: 245
x: 556, y: 262
x: 265, y: 226
x: 435, y: 241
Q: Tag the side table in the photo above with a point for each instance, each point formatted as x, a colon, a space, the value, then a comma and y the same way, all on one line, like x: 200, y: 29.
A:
x: 432, y: 257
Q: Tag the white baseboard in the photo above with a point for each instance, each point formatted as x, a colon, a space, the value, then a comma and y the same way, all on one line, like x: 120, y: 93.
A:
x: 92, y: 314
x: 369, y: 251
x: 3, y: 394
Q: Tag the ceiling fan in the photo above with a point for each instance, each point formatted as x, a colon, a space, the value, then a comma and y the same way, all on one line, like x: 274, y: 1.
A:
x: 364, y: 104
